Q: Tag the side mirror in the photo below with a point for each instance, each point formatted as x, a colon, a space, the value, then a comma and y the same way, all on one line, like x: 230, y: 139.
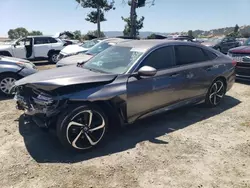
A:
x: 147, y: 71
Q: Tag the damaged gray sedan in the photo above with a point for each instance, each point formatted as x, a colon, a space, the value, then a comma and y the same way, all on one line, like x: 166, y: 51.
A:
x: 122, y: 84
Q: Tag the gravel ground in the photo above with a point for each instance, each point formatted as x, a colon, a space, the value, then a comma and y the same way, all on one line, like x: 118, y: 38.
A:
x: 189, y: 147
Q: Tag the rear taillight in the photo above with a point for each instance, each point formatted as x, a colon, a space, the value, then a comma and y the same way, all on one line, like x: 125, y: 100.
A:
x: 234, y: 63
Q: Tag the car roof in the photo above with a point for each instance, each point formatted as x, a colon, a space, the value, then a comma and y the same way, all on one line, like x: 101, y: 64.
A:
x: 38, y: 36
x: 150, y: 43
x: 115, y: 40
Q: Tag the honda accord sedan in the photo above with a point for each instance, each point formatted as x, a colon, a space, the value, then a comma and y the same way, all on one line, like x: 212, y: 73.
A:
x: 124, y: 83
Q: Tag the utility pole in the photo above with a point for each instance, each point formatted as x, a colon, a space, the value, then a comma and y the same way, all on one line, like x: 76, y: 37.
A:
x: 133, y: 18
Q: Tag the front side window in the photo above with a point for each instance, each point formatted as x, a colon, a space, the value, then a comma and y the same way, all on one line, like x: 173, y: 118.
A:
x: 116, y: 60
x: 189, y: 54
x: 52, y: 40
x: 161, y: 58
x: 89, y: 44
x: 23, y: 41
x: 41, y: 40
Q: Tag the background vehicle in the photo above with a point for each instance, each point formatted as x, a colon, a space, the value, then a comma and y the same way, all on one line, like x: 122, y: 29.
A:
x: 241, y: 41
x: 124, y: 83
x: 241, y: 55
x: 11, y: 70
x: 222, y: 44
x: 77, y: 48
x: 85, y: 56
x: 69, y: 42
x: 34, y: 47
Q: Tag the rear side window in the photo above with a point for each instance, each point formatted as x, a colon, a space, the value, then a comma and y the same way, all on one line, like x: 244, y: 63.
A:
x: 210, y: 55
x: 41, y: 40
x: 52, y: 40
x: 161, y: 58
x: 189, y: 54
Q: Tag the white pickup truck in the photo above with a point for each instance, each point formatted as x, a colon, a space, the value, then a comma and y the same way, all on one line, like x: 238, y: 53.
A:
x: 34, y: 47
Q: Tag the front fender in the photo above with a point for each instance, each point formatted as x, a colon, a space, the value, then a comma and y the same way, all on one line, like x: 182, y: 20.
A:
x: 100, y: 93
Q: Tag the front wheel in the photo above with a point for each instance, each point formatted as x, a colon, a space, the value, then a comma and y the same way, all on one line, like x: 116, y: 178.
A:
x: 6, y: 82
x: 53, y: 57
x: 215, y: 93
x: 82, y: 127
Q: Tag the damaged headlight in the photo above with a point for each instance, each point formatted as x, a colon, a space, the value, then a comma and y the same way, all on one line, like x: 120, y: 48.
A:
x: 42, y: 98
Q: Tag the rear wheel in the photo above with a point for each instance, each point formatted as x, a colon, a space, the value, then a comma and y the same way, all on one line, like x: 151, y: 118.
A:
x: 215, y: 93
x: 82, y: 127
x: 6, y: 83
x: 53, y: 57
x: 218, y: 49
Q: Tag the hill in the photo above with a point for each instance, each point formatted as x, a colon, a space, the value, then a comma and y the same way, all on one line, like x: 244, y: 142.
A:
x: 212, y: 32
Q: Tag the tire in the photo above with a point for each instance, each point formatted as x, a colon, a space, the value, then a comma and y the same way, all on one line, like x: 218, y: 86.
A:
x: 6, y: 82
x: 75, y: 130
x: 53, y: 57
x: 218, y: 49
x: 215, y: 93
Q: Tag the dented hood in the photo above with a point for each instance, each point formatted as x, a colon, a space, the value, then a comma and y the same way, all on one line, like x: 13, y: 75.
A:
x: 64, y: 76
x: 73, y: 60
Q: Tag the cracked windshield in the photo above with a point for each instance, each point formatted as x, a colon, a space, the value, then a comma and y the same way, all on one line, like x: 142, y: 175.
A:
x: 124, y: 93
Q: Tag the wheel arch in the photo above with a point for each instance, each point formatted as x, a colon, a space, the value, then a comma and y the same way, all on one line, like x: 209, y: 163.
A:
x: 10, y: 72
x: 114, y: 115
x: 52, y: 51
x: 5, y: 53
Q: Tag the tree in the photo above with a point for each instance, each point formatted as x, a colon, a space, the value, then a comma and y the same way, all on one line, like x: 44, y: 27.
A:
x: 152, y: 36
x: 97, y: 16
x: 77, y: 35
x: 17, y: 33
x: 128, y: 26
x: 132, y: 25
x: 35, y: 33
x: 190, y: 33
x: 236, y: 28
x: 96, y: 33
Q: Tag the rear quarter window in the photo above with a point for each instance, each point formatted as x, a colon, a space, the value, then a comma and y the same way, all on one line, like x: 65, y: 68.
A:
x: 210, y: 55
x: 189, y: 54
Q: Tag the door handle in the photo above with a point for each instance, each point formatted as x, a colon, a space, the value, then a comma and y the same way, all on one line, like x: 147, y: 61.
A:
x: 174, y: 75
x: 209, y: 68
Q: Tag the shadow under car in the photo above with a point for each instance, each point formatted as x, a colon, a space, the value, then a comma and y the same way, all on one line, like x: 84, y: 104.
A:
x: 45, y: 148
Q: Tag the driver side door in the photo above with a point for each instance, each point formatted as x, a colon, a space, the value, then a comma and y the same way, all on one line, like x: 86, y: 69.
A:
x: 148, y: 94
x: 19, y: 49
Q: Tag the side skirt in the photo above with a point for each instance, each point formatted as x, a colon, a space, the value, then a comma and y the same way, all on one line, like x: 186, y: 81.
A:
x: 196, y: 100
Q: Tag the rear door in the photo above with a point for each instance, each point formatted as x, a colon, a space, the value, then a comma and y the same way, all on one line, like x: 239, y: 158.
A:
x: 151, y: 93
x: 41, y: 47
x: 193, y: 64
x: 19, y: 49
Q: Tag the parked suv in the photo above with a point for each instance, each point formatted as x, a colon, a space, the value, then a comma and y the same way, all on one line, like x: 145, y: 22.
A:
x: 34, y: 47
x: 222, y: 44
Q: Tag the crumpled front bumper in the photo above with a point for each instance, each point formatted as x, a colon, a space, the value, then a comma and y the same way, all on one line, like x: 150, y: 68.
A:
x: 35, y: 102
x: 39, y: 108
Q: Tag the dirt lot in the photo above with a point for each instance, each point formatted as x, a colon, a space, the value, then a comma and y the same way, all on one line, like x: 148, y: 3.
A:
x: 190, y: 147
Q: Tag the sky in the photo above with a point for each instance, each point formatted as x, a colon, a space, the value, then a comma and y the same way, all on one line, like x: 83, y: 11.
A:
x: 52, y: 16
